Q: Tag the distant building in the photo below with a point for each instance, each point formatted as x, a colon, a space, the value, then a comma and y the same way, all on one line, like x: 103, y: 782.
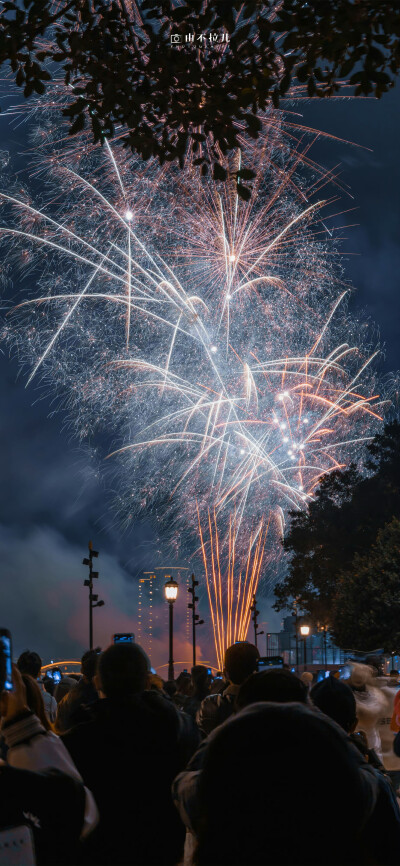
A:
x: 152, y: 615
x: 149, y: 597
x: 320, y: 649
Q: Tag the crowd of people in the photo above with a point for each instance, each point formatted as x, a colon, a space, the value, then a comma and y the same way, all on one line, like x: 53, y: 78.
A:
x: 248, y: 767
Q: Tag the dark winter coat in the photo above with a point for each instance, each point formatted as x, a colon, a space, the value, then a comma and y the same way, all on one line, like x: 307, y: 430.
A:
x: 128, y: 753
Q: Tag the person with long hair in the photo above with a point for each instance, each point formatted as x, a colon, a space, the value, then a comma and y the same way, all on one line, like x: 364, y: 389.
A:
x: 35, y: 701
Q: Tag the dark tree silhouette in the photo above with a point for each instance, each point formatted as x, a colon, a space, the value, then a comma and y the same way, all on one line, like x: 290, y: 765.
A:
x: 120, y: 69
x: 338, y: 530
x: 366, y: 612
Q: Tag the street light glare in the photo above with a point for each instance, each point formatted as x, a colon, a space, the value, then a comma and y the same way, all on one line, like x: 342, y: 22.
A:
x: 171, y: 589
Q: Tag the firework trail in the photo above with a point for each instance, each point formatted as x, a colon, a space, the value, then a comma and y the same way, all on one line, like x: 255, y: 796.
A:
x: 208, y: 336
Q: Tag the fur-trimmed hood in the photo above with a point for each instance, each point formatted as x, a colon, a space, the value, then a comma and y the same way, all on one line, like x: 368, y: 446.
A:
x: 371, y: 705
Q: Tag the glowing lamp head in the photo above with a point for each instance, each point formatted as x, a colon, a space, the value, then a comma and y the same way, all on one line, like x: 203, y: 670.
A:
x: 214, y: 349
x: 228, y: 297
x: 128, y: 215
x: 242, y: 451
x: 170, y: 589
x: 304, y: 630
x: 232, y: 258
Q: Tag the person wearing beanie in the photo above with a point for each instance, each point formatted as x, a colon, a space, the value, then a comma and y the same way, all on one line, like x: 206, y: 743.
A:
x: 336, y: 699
x: 234, y: 806
x: 275, y: 685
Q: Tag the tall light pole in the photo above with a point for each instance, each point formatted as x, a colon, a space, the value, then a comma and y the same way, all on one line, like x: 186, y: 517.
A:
x: 255, y: 616
x: 296, y: 632
x: 323, y: 629
x: 195, y: 616
x: 93, y: 598
x: 171, y: 593
x: 305, y: 631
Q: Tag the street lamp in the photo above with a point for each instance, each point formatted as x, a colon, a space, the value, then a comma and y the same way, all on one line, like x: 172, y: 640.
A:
x: 195, y: 616
x: 324, y: 628
x: 305, y: 631
x: 255, y: 616
x: 171, y: 593
x: 93, y: 598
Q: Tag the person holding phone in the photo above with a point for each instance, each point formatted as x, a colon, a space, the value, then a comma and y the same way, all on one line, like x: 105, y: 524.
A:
x: 40, y: 787
x: 72, y: 709
x: 31, y: 663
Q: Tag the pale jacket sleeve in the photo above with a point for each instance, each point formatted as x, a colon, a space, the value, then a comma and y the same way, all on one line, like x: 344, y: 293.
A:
x: 31, y: 747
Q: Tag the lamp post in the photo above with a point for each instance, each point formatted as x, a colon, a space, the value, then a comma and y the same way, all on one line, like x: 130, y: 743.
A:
x: 305, y: 631
x: 255, y: 616
x: 295, y: 604
x: 93, y: 598
x: 195, y: 616
x: 324, y: 629
x: 171, y: 592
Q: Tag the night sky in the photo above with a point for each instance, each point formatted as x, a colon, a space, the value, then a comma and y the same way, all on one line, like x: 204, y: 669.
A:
x: 54, y: 496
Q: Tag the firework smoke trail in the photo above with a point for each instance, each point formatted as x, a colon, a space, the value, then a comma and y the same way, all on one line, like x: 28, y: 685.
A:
x: 208, y: 336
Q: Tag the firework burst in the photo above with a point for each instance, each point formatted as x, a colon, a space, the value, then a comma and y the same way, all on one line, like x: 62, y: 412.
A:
x: 208, y: 336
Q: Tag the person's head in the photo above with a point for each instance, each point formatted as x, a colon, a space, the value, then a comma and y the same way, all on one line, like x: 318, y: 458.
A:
x: 200, y: 681
x: 183, y: 683
x: 240, y: 661
x: 29, y: 663
x: 122, y: 671
x: 155, y: 683
x: 63, y: 687
x: 218, y: 685
x: 34, y: 700
x: 361, y: 677
x: 335, y: 698
x: 375, y: 663
x: 250, y: 763
x: 3, y: 668
x: 48, y: 684
x: 89, y: 664
x: 307, y: 678
x: 170, y: 688
x: 279, y: 686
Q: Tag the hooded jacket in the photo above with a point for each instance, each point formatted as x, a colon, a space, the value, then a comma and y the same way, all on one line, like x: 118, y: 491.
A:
x: 41, y: 787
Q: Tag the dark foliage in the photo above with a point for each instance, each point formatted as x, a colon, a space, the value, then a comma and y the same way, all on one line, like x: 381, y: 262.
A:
x: 117, y: 58
x: 338, y: 547
x: 366, y: 611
